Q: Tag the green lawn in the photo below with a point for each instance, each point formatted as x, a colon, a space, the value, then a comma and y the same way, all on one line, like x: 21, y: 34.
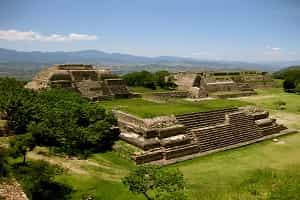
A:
x: 147, y: 109
x: 241, y: 173
x: 270, y: 95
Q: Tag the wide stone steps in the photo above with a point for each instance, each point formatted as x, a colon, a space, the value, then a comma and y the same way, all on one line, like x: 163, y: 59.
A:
x: 203, y: 119
x: 119, y: 90
x: 268, y: 130
x: 218, y: 130
x: 91, y: 89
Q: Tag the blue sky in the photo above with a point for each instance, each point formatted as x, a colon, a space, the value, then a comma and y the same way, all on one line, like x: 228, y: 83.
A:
x: 245, y: 30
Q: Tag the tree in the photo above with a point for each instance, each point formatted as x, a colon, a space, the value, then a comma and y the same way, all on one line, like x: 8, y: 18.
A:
x: 18, y: 103
x: 21, y: 145
x: 143, y: 78
x: 160, y: 77
x: 71, y: 124
x: 38, y: 181
x: 156, y: 183
x: 289, y: 85
x: 297, y: 89
x: 4, y: 166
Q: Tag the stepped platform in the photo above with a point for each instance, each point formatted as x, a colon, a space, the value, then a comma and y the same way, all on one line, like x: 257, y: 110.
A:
x: 89, y: 81
x: 170, y: 139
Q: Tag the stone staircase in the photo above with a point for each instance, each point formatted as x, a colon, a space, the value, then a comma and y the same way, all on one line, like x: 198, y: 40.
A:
x: 244, y: 87
x: 203, y: 119
x: 212, y: 131
x: 92, y: 89
x: 239, y: 129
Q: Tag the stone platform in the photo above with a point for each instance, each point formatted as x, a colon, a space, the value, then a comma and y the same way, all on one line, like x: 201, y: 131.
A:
x: 170, y: 139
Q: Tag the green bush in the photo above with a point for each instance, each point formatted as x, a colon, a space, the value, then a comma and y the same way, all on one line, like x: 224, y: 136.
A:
x: 4, y: 165
x: 56, y: 118
x: 150, y: 80
x: 38, y: 181
x: 156, y: 183
x: 289, y: 85
x: 279, y: 105
x: 297, y: 89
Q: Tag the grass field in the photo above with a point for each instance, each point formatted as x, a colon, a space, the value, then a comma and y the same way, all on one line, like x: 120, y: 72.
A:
x: 265, y: 170
x: 236, y: 174
x: 147, y: 109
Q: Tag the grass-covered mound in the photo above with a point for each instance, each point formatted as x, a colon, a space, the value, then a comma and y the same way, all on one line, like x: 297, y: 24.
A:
x: 148, y: 109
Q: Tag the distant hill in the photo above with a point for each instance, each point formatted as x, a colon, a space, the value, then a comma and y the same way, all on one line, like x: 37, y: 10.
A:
x: 24, y: 65
x: 100, y: 57
x: 282, y: 73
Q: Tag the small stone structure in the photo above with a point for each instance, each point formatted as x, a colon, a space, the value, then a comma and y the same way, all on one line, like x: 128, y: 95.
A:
x: 169, y: 139
x: 11, y: 190
x: 91, y: 82
x: 202, y: 84
x: 166, y: 96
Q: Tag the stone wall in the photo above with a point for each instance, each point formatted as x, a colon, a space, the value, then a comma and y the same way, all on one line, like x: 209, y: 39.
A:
x: 210, y: 82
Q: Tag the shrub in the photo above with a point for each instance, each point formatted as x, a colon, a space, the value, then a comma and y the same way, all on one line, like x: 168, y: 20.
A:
x: 289, y: 85
x: 297, y: 89
x: 37, y: 180
x: 279, y: 105
x: 4, y: 165
x: 156, y: 183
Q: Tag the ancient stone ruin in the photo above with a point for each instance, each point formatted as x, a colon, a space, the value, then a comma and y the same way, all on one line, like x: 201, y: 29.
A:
x: 221, y: 84
x: 89, y: 81
x: 169, y: 139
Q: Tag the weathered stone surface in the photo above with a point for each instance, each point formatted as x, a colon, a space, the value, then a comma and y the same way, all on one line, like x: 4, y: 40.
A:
x: 12, y: 191
x: 167, y: 139
x: 89, y: 81
x: 202, y: 84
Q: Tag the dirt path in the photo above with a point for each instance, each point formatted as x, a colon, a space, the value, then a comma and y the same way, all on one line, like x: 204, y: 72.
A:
x: 290, y: 120
x: 255, y: 97
x: 83, y: 167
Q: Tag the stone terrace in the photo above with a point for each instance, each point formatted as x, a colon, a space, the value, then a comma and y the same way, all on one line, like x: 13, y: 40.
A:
x: 169, y: 139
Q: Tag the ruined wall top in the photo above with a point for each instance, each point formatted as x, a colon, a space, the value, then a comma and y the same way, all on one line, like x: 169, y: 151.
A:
x: 74, y: 67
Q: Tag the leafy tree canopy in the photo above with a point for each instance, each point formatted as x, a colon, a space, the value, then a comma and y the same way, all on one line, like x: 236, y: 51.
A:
x: 57, y: 118
x: 149, y: 80
x: 156, y: 183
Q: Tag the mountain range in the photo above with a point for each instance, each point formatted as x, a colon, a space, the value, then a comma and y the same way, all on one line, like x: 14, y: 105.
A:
x: 39, y: 58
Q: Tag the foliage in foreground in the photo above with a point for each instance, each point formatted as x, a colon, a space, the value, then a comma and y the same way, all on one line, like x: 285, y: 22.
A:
x: 38, y: 181
x: 156, y: 183
x: 4, y: 165
x: 55, y: 118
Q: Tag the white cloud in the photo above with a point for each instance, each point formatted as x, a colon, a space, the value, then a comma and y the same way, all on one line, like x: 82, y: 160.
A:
x: 200, y: 53
x: 14, y: 35
x: 275, y: 49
